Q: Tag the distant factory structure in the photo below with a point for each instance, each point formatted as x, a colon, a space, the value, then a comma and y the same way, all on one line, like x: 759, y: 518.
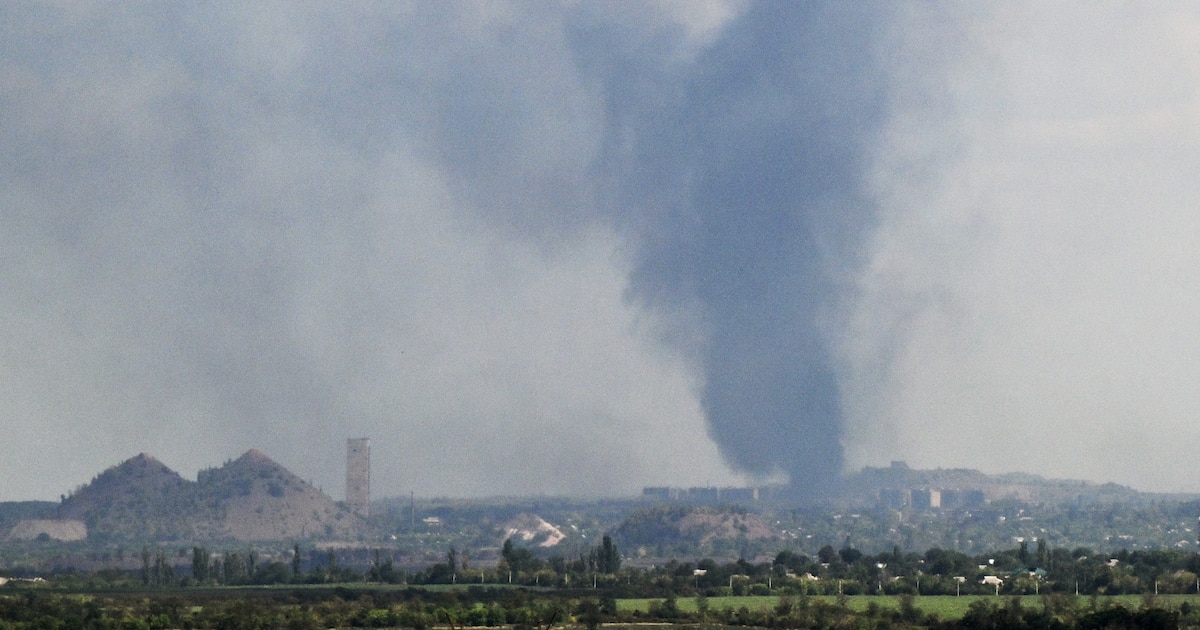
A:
x: 701, y: 496
x: 358, y: 476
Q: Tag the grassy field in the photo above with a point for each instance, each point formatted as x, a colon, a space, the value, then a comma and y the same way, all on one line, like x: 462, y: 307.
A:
x: 945, y: 606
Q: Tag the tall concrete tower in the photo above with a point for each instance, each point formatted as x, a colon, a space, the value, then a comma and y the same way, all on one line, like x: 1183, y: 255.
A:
x: 358, y: 476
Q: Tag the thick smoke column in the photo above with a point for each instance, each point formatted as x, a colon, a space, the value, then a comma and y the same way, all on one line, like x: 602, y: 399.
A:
x: 744, y: 193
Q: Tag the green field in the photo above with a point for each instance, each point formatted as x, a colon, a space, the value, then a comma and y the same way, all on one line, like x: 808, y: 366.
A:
x: 944, y: 606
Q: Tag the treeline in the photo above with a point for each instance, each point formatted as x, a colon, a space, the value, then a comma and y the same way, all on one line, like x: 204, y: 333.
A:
x: 517, y: 565
x: 239, y: 568
x: 1054, y: 611
x: 298, y: 609
x: 1024, y: 570
x: 1019, y: 571
x: 523, y: 609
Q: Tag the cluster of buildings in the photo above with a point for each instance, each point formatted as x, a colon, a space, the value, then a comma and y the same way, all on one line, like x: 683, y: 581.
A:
x: 930, y: 498
x: 701, y: 496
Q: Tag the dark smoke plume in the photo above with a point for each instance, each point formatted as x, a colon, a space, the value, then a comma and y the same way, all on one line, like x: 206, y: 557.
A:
x: 744, y: 193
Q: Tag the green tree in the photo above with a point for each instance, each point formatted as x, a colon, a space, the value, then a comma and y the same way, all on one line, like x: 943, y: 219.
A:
x: 296, y: 561
x: 200, y: 564
x: 235, y: 568
x: 517, y: 559
x: 145, y: 566
x: 164, y: 573
x: 589, y: 613
x: 608, y: 560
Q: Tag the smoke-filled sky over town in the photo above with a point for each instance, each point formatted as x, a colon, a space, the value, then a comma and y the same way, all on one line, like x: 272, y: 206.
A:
x: 581, y: 248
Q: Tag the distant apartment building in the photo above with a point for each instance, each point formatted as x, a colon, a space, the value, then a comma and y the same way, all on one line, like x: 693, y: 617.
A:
x: 658, y: 493
x: 358, y: 476
x: 893, y: 498
x: 963, y: 498
x: 926, y: 499
x: 701, y: 496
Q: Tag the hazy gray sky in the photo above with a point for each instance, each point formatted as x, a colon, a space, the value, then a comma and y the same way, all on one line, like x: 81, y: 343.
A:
x: 587, y: 247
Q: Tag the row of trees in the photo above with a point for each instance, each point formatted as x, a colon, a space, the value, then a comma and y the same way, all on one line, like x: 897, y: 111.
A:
x: 517, y: 564
x: 1022, y: 570
x: 235, y: 568
x: 604, y: 559
x: 310, y: 609
x: 940, y: 572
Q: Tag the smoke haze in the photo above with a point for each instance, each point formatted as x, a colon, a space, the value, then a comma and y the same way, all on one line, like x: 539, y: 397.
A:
x: 1029, y: 296
x: 532, y: 248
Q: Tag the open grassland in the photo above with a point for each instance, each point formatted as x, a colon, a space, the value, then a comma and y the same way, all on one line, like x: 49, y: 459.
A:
x: 947, y: 607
